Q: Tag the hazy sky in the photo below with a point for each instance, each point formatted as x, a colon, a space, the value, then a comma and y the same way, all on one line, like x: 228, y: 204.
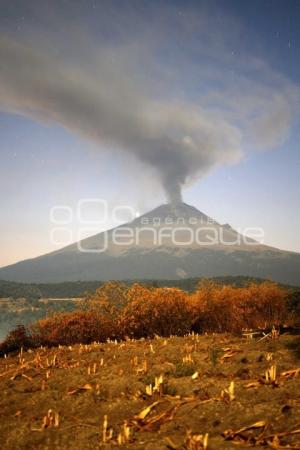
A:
x: 135, y: 101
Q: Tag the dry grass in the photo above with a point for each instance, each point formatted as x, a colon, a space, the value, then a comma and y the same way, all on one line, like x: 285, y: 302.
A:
x: 99, y: 396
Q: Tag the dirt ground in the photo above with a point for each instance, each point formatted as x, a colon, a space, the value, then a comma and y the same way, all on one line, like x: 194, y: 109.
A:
x: 153, y: 394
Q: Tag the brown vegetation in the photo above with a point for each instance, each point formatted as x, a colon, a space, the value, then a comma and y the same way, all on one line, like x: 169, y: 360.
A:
x: 231, y: 309
x: 118, y: 311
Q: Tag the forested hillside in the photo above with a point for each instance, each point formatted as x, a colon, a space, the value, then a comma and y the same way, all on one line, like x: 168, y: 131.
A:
x: 33, y: 291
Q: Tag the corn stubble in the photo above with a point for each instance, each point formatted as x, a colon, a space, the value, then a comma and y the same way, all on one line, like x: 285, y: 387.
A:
x: 118, y: 394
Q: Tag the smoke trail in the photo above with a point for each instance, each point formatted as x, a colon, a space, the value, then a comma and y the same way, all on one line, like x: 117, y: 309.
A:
x: 177, y: 140
x: 180, y: 140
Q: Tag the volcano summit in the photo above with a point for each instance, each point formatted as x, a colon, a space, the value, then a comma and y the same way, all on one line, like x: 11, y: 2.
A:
x: 172, y: 241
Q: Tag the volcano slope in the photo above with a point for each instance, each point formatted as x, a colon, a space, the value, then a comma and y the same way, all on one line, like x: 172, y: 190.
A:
x: 171, y: 242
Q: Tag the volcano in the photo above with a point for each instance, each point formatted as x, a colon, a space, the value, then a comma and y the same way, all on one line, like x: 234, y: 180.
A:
x: 170, y: 242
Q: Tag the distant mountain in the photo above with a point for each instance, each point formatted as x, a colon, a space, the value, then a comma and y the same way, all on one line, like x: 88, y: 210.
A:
x: 173, y: 241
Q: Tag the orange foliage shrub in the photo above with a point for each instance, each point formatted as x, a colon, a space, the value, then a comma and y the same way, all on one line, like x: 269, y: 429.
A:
x: 215, y: 309
x: 226, y: 308
x: 111, y: 294
x: 74, y: 327
x: 117, y: 311
x: 161, y: 311
x: 264, y: 306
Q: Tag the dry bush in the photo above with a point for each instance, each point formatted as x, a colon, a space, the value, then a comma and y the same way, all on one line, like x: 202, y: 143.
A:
x: 149, y: 311
x: 16, y: 339
x: 161, y: 311
x: 74, y: 327
x: 110, y: 295
x: 267, y: 304
x: 229, y: 309
x: 214, y: 308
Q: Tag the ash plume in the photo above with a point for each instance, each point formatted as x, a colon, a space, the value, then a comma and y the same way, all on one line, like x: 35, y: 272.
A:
x: 176, y: 139
x: 110, y: 100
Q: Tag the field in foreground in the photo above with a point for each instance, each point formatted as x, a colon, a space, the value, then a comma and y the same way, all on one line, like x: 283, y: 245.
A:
x: 81, y: 396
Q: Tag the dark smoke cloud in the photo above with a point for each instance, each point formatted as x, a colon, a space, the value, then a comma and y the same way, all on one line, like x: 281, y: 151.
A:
x: 178, y: 140
x: 107, y: 97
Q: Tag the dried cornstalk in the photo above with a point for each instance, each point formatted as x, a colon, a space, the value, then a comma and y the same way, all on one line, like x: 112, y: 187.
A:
x: 229, y: 353
x: 157, y: 387
x: 228, y: 394
x: 107, y: 433
x: 196, y: 441
x: 156, y: 421
x: 85, y: 387
x: 104, y: 429
x: 187, y: 359
x: 144, y: 413
x: 290, y: 373
x: 241, y: 435
x: 149, y: 390
x: 51, y: 419
x: 246, y: 436
x: 124, y: 436
x: 270, y: 374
